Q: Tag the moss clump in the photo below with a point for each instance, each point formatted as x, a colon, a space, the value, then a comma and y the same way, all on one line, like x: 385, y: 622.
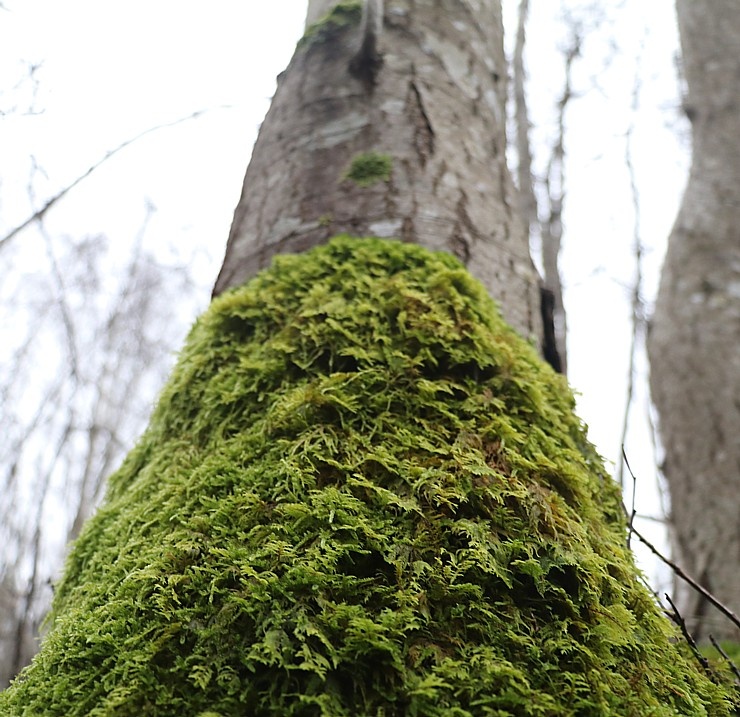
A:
x: 369, y: 168
x: 342, y: 15
x: 360, y: 494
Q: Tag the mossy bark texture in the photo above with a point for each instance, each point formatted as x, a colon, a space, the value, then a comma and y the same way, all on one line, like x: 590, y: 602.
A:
x: 361, y: 494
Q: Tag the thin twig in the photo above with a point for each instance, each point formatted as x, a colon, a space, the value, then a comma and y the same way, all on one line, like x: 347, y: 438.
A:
x: 60, y: 288
x: 40, y: 213
x: 637, y: 312
x: 684, y: 576
x: 633, y: 511
x: 678, y: 619
x: 728, y: 659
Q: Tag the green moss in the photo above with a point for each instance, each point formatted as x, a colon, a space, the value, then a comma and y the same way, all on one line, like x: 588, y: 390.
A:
x: 369, y: 168
x: 360, y: 494
x: 341, y: 16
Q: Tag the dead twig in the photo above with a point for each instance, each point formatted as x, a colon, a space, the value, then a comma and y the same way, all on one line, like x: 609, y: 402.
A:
x: 727, y: 658
x: 678, y: 619
x: 633, y: 511
x: 687, y: 578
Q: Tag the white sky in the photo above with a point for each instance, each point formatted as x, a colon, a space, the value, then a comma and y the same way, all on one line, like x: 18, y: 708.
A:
x: 114, y: 69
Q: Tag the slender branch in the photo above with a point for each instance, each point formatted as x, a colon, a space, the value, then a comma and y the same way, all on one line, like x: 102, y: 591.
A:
x: 633, y: 511
x: 637, y: 309
x: 678, y: 619
x: 70, y: 331
x: 684, y: 576
x: 728, y: 659
x: 652, y: 518
x: 39, y: 214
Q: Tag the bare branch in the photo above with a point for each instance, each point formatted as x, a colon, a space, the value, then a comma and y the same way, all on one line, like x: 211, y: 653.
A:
x: 61, y: 300
x: 678, y: 619
x: 39, y: 214
x: 637, y: 315
x: 688, y: 579
x: 728, y: 659
x: 633, y: 512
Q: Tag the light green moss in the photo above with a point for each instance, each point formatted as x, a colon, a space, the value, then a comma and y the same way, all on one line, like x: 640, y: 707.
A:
x: 360, y: 494
x: 341, y: 16
x: 369, y: 168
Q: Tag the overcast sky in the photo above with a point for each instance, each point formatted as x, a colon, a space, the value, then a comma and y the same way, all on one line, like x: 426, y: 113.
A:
x: 111, y: 70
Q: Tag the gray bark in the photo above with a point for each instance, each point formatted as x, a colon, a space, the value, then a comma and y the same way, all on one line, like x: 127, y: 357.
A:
x: 694, y: 342
x: 431, y: 97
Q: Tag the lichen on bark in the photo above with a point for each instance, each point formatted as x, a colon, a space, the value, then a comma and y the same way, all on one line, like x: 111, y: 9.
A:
x: 360, y: 494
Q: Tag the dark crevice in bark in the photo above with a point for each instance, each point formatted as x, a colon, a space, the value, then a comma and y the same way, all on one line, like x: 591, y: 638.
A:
x: 366, y: 64
x: 463, y: 232
x: 549, y: 341
x: 423, y: 132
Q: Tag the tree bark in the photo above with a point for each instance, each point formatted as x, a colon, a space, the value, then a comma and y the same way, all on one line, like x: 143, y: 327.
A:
x: 430, y: 102
x: 694, y: 342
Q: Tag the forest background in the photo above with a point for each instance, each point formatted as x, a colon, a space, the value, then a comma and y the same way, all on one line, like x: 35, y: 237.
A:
x: 97, y: 296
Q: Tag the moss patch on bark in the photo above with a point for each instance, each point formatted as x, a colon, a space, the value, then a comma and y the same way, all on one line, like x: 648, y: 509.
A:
x: 369, y: 168
x: 360, y: 494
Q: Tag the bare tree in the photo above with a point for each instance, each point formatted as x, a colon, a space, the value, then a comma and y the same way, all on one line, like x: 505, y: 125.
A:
x: 89, y: 332
x: 88, y: 355
x: 544, y: 215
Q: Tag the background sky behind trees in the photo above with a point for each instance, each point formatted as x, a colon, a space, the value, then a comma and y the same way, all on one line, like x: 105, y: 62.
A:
x: 106, y: 72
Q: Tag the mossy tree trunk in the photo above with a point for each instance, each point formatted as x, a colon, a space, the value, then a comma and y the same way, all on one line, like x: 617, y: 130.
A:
x: 361, y: 492
x: 694, y: 340
x: 426, y: 92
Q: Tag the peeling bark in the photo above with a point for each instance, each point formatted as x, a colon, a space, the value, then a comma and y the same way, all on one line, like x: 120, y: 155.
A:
x: 435, y: 105
x: 694, y: 342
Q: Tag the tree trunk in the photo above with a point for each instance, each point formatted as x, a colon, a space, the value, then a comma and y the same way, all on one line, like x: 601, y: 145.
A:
x: 426, y: 104
x: 694, y: 341
x: 361, y: 492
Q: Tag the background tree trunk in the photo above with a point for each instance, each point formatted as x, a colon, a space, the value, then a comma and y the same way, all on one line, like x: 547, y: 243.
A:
x: 431, y: 107
x: 694, y: 341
